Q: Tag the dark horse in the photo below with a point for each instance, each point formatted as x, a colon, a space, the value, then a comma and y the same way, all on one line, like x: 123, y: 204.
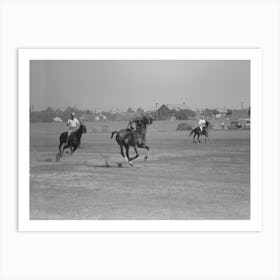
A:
x: 133, y: 138
x: 73, y: 142
x: 197, y: 132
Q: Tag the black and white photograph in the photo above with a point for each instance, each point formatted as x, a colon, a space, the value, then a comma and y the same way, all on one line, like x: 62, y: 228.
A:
x: 140, y: 139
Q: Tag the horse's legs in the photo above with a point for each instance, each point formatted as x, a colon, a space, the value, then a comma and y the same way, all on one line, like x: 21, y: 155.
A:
x: 196, y: 134
x: 73, y: 149
x: 194, y: 137
x: 127, y: 155
x: 58, y: 155
x: 61, y: 154
x: 60, y: 145
x: 64, y: 147
x: 206, y: 137
x: 148, y: 152
x: 137, y: 154
x: 144, y: 146
x: 122, y: 153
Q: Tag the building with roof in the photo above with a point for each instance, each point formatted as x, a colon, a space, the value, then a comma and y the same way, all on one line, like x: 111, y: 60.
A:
x: 164, y: 113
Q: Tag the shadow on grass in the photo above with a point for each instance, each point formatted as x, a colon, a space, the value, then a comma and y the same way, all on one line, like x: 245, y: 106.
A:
x: 104, y: 165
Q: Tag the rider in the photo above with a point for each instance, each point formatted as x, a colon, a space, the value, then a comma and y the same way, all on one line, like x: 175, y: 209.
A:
x: 202, y: 123
x: 73, y: 124
x: 135, y: 123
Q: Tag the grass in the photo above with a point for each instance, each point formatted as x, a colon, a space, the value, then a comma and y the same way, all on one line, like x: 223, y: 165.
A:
x: 180, y: 180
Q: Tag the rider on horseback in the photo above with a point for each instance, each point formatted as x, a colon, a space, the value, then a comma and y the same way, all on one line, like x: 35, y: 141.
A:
x: 73, y: 125
x: 202, y: 123
x: 135, y: 123
x: 133, y: 136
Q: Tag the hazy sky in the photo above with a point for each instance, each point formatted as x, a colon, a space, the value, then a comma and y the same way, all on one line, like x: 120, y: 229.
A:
x: 120, y: 84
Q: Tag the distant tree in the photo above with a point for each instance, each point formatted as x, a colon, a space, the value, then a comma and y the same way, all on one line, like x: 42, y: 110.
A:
x: 229, y: 112
x: 210, y: 112
x: 130, y: 110
x: 184, y: 114
x: 48, y: 115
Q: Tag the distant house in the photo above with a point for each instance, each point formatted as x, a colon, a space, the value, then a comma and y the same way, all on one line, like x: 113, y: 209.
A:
x: 241, y: 123
x: 164, y: 113
x: 240, y: 114
x: 245, y: 123
x: 174, y: 112
x: 57, y: 119
x: 176, y: 108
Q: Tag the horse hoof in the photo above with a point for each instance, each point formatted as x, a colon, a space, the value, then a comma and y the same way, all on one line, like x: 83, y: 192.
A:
x: 145, y: 158
x: 131, y: 163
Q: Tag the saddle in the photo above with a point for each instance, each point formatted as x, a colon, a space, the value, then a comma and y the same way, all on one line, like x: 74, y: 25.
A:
x: 203, y: 131
x: 72, y: 138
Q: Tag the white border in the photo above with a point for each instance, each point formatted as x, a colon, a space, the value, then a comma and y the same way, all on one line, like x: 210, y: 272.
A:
x: 254, y: 55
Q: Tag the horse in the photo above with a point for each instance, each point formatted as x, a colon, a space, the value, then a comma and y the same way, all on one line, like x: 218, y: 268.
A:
x: 133, y: 138
x: 197, y: 132
x: 73, y: 141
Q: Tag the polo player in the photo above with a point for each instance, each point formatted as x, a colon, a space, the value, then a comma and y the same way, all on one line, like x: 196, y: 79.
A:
x: 73, y: 125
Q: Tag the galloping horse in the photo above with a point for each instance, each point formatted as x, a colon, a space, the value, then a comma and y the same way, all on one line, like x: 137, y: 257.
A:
x: 197, y: 132
x: 73, y: 142
x: 133, y: 138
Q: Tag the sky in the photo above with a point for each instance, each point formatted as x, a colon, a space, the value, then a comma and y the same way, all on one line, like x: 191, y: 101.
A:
x: 107, y: 84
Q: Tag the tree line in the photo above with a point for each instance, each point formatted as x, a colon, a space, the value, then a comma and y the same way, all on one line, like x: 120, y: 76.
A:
x: 48, y: 114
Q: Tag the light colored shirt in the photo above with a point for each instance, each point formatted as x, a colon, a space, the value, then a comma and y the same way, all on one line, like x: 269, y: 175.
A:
x: 73, y: 124
x: 202, y: 123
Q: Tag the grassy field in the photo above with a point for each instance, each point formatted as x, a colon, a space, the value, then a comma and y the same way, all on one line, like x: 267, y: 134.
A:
x: 180, y: 180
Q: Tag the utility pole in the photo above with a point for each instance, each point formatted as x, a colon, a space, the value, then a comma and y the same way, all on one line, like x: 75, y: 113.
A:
x: 156, y: 110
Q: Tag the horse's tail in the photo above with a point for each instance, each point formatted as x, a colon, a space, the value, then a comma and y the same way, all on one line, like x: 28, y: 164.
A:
x: 113, y: 133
